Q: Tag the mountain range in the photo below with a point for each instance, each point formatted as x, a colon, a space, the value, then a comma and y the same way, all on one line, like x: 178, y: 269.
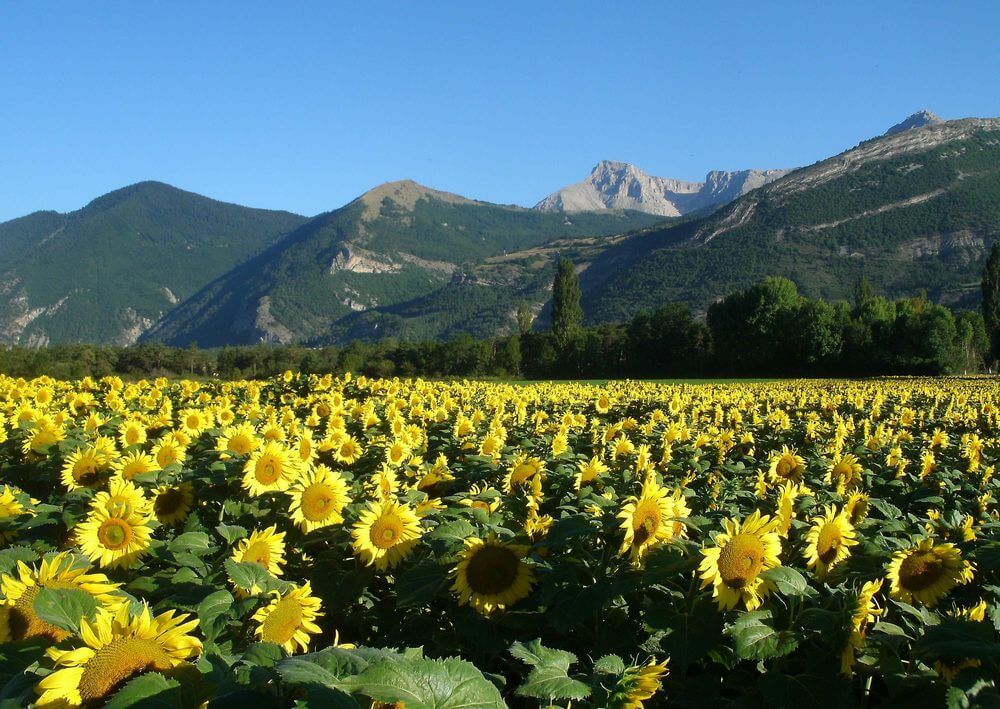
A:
x: 914, y: 209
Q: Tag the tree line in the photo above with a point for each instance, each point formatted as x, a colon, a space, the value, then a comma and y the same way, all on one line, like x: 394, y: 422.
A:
x: 768, y: 329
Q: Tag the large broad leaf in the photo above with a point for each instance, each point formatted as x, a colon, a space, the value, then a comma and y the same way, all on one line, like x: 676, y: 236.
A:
x: 426, y: 684
x: 196, y: 543
x: 64, y: 607
x: 420, y: 584
x: 247, y: 575
x: 690, y: 636
x: 9, y: 557
x: 756, y: 639
x: 213, y: 612
x: 811, y: 690
x: 958, y: 639
x: 549, y: 677
x: 789, y: 581
x: 148, y: 690
x: 320, y: 674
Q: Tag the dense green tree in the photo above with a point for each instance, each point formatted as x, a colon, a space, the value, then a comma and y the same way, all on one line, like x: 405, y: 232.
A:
x: 991, y: 300
x: 566, y: 309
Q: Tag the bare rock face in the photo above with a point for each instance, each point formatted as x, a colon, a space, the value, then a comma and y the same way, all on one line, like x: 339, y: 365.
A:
x: 618, y: 185
x: 917, y: 120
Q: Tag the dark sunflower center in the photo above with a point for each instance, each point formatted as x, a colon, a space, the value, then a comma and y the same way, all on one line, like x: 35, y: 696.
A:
x: 168, y: 502
x: 116, y: 662
x: 784, y: 467
x: 492, y: 569
x: 920, y: 570
x: 741, y: 560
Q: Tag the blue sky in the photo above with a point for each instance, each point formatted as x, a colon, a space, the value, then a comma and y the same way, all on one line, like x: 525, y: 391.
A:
x: 305, y: 105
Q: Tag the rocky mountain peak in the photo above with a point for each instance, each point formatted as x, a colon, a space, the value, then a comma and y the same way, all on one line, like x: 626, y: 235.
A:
x: 916, y: 120
x: 619, y: 185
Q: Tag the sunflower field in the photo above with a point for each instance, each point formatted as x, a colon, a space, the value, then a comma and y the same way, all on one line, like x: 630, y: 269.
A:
x: 353, y: 542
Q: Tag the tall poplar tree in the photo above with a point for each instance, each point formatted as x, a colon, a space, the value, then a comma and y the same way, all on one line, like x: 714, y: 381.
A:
x: 566, y: 310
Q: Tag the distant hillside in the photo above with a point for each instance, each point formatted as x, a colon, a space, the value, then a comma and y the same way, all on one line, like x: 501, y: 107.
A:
x: 108, y: 271
x: 914, y: 210
x: 618, y: 185
x: 395, y: 244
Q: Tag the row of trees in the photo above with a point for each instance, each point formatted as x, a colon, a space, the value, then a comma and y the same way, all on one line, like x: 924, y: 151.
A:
x: 766, y: 330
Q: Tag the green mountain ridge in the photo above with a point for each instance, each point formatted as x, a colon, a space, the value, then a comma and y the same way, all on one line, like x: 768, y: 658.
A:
x: 106, y: 272
x: 397, y: 243
x: 913, y: 210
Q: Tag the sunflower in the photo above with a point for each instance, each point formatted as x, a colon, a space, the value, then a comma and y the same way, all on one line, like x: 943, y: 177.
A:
x: 18, y: 620
x: 844, y: 473
x: 115, y: 648
x: 790, y: 491
x: 589, y: 471
x: 173, y: 503
x: 265, y: 548
x: 271, y: 468
x: 131, y: 432
x: 132, y: 464
x: 289, y: 619
x: 122, y: 499
x: 925, y: 573
x: 82, y: 468
x: 10, y: 509
x: 386, y: 533
x: 318, y: 499
x: 169, y: 451
x: 733, y: 566
x: 240, y: 440
x: 348, y: 450
x: 112, y: 540
x: 646, y: 520
x: 786, y: 465
x: 491, y: 574
x: 865, y: 610
x: 639, y: 684
x: 522, y: 469
x: 856, y: 507
x: 829, y: 541
x: 42, y: 439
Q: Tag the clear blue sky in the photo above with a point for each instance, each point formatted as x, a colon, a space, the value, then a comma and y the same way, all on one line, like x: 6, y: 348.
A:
x: 304, y: 105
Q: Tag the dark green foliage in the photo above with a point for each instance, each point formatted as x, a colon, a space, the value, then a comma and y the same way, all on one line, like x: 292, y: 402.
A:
x: 123, y: 260
x: 566, y: 310
x: 935, y: 243
x: 306, y: 283
x: 768, y: 329
x: 991, y: 300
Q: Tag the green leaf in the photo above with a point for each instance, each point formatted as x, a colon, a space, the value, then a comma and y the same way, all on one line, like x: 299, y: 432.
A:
x: 808, y: 690
x: 326, y: 667
x: 213, y: 612
x: 756, y: 640
x: 789, y: 581
x: 263, y: 654
x: 456, y: 531
x: 247, y: 575
x: 148, y: 690
x: 232, y: 533
x: 549, y: 677
x: 196, y: 543
x: 64, y: 607
x: 427, y: 684
x: 609, y: 665
x: 691, y: 636
x: 958, y: 639
x: 10, y: 556
x: 420, y: 584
